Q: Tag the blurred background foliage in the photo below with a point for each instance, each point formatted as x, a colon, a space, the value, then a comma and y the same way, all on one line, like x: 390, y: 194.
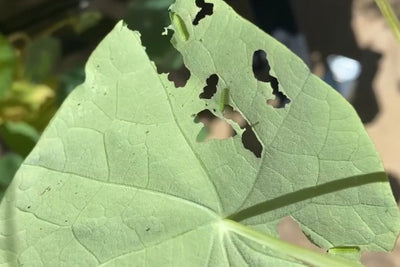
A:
x: 43, y: 48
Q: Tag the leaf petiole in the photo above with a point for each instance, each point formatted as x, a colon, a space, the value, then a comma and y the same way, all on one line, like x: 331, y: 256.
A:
x: 390, y: 16
x: 302, y: 254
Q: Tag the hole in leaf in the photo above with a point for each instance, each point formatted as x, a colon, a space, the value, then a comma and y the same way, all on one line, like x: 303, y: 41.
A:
x: 151, y: 22
x: 180, y: 76
x: 251, y: 142
x: 290, y: 231
x: 211, y: 88
x: 206, y: 10
x: 249, y: 138
x: 214, y: 127
x: 395, y: 186
x: 261, y: 70
x: 235, y: 116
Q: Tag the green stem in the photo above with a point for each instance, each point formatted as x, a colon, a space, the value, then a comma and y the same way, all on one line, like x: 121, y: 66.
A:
x: 57, y: 26
x: 390, y: 16
x: 302, y: 254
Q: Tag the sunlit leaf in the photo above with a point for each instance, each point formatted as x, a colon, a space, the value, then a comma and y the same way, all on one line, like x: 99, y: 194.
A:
x: 118, y: 178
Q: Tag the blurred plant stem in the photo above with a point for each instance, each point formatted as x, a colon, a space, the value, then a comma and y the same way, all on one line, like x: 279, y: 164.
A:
x: 57, y: 26
x: 19, y: 36
x: 390, y: 16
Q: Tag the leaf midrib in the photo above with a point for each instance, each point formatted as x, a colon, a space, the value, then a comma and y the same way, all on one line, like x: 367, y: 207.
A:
x: 205, y: 170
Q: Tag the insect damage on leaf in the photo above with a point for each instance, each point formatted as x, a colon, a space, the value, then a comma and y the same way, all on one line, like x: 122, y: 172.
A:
x: 251, y: 142
x: 180, y: 76
x: 206, y: 9
x: 261, y: 70
x: 138, y: 188
x: 214, y: 127
x: 211, y: 88
x: 215, y: 124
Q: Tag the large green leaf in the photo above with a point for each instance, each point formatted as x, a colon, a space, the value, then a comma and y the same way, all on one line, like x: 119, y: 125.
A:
x: 119, y: 179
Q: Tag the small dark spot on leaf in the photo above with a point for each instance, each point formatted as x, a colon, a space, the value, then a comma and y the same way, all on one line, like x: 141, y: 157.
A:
x: 28, y: 207
x: 211, y: 88
x: 79, y: 104
x: 47, y: 189
x: 147, y: 229
x: 147, y: 131
x: 261, y: 70
x: 66, y: 221
x: 206, y: 9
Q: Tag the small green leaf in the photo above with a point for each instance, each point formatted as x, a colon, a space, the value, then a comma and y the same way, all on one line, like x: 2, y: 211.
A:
x: 203, y: 134
x: 20, y: 137
x: 9, y: 165
x: 7, y: 65
x: 41, y: 57
x: 28, y: 102
x: 86, y: 20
